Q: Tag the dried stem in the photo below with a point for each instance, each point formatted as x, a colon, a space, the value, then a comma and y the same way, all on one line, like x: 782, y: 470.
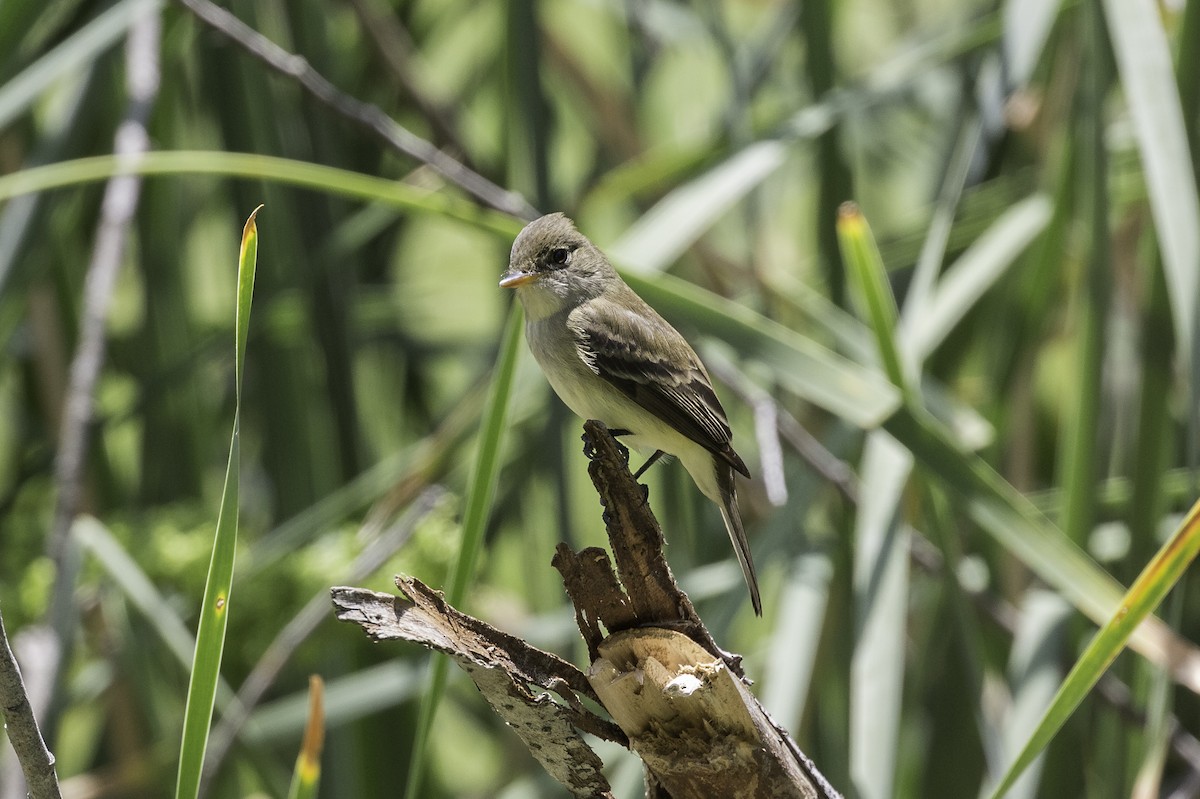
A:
x: 22, y: 728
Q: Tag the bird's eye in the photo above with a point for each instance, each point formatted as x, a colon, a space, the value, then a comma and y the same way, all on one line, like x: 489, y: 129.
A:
x: 559, y: 256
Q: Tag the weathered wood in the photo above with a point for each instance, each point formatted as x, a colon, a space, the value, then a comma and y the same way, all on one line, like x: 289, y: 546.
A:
x: 504, y: 668
x: 678, y: 700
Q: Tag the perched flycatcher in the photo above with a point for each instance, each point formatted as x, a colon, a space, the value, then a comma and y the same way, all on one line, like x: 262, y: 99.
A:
x: 609, y: 356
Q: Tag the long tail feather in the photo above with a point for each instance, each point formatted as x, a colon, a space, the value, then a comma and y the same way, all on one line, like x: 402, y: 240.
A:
x: 737, y: 534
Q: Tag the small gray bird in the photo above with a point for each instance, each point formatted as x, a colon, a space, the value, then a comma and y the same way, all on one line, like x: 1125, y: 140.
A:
x: 609, y: 356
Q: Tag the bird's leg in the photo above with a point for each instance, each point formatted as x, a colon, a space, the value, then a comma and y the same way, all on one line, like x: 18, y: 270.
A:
x: 658, y: 453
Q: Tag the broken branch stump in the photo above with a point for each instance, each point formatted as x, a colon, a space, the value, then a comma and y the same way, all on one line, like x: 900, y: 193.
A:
x: 675, y: 697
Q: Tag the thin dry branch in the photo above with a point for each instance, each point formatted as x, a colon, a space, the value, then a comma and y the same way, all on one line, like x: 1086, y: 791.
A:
x: 367, y: 116
x: 117, y: 210
x: 37, y: 763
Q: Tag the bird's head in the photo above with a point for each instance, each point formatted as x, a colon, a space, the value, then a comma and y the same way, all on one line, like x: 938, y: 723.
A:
x: 553, y: 266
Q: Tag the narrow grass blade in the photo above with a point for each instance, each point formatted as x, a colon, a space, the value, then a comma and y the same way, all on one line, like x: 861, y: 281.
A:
x: 482, y: 488
x: 794, y: 642
x: 1147, y: 74
x: 881, y: 588
x: 941, y: 223
x: 347, y: 699
x: 306, y: 777
x: 664, y: 232
x: 858, y: 394
x: 811, y: 371
x: 1151, y: 586
x: 1011, y: 518
x: 994, y: 504
x: 264, y: 167
x: 1027, y: 25
x: 977, y: 270
x: 880, y: 537
x: 214, y: 612
x: 69, y: 57
x: 1033, y: 673
x: 870, y: 290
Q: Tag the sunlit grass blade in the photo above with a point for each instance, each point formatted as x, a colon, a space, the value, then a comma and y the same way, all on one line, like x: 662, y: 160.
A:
x: 1011, y: 518
x: 813, y: 372
x: 1147, y: 74
x: 994, y: 504
x: 664, y: 232
x: 347, y: 699
x: 141, y: 593
x: 881, y: 589
x: 870, y: 289
x: 977, y: 270
x: 1027, y: 26
x: 795, y: 640
x: 881, y: 546
x: 325, y: 179
x: 481, y: 489
x: 1147, y: 592
x: 1033, y: 673
x: 306, y: 777
x: 858, y: 394
x: 214, y: 611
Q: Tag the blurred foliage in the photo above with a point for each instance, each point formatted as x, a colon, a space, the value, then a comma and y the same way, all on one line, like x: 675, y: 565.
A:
x: 1027, y: 179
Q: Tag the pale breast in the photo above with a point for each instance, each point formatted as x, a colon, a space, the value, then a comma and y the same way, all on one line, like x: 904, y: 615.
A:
x: 590, y: 396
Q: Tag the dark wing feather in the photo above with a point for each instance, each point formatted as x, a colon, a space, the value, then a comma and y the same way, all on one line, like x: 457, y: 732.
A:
x: 618, y: 343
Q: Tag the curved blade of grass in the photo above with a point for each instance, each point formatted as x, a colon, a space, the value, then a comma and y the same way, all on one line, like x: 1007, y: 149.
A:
x: 1007, y: 514
x: 664, y: 232
x: 263, y: 167
x: 975, y: 271
x: 1147, y: 592
x: 858, y: 394
x: 813, y: 372
x: 1011, y: 518
x: 214, y: 612
x: 95, y: 538
x: 871, y: 292
x: 482, y: 488
x: 69, y: 57
x: 1143, y: 57
x: 307, y: 775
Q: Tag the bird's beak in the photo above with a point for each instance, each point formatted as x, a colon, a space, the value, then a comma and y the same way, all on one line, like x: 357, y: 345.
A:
x: 515, y: 277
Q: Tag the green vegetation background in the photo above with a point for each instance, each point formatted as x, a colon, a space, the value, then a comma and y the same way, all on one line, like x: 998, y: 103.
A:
x: 1031, y: 152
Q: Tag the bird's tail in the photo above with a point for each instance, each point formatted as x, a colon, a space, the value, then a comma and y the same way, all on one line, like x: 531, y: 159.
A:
x: 737, y: 534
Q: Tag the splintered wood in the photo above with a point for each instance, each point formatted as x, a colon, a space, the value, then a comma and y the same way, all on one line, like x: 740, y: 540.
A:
x: 675, y: 697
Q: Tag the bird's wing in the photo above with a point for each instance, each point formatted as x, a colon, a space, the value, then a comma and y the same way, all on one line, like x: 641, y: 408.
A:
x: 624, y: 345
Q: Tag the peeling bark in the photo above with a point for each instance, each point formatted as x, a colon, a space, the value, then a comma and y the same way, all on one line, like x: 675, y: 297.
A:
x: 678, y: 700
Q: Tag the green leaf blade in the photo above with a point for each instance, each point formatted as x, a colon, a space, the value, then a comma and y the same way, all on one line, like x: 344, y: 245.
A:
x: 1147, y: 592
x: 214, y: 611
